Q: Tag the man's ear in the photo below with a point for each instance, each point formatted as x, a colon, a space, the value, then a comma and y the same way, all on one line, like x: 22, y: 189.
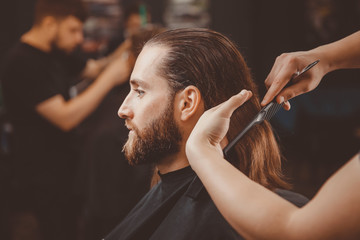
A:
x: 190, y: 102
x: 51, y: 24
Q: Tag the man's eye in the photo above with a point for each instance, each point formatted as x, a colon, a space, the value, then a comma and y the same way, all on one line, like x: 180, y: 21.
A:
x: 139, y: 92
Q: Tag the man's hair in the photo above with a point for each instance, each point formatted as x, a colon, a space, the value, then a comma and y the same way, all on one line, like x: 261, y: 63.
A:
x: 59, y: 9
x: 211, y: 62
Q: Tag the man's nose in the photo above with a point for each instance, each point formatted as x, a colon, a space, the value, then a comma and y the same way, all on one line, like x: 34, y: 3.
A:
x: 125, y: 111
x: 80, y: 37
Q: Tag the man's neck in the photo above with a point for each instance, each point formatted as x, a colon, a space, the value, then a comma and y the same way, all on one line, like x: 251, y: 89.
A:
x: 173, y: 163
x: 35, y: 38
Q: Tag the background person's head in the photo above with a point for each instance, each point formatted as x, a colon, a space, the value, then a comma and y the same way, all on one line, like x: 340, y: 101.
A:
x: 63, y: 21
x: 139, y: 38
x: 136, y: 16
x: 208, y: 61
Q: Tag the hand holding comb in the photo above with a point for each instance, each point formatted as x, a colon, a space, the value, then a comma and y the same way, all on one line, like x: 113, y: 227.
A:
x: 266, y: 113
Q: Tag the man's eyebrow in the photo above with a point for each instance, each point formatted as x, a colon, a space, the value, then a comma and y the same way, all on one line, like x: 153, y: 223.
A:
x: 139, y: 82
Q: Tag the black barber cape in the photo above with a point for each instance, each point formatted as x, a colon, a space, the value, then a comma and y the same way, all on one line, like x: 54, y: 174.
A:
x: 175, y: 209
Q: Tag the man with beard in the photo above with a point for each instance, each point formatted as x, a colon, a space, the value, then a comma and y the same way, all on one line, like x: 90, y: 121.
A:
x: 36, y: 95
x: 178, y: 75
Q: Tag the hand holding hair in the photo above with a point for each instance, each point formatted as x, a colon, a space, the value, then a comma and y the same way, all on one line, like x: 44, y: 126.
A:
x: 211, y: 128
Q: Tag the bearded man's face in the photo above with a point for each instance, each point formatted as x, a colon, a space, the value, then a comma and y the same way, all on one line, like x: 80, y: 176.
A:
x: 160, y: 138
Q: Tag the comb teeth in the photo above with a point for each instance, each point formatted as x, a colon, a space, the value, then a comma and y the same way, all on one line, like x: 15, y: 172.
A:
x: 265, y: 114
x: 272, y: 108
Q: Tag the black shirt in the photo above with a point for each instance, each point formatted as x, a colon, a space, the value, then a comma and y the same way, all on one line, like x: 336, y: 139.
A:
x: 175, y: 209
x: 42, y: 152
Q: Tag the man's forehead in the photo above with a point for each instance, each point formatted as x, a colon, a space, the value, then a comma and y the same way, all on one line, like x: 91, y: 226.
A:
x: 148, y: 63
x: 71, y: 20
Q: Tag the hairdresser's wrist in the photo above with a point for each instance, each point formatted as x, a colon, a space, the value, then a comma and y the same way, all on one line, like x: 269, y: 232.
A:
x: 327, y: 62
x: 200, y: 152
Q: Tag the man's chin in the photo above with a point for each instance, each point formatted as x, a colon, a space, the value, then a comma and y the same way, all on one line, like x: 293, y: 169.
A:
x: 134, y: 157
x: 68, y: 51
x: 134, y: 161
x: 64, y: 50
x: 129, y: 152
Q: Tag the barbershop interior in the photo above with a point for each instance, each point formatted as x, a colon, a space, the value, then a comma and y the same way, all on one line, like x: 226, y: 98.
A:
x: 64, y: 173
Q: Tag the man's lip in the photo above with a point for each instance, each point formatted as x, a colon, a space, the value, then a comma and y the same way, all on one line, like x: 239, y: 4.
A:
x: 129, y: 127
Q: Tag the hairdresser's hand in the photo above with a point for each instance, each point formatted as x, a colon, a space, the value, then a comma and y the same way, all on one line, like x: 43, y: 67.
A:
x: 208, y: 135
x: 285, y: 66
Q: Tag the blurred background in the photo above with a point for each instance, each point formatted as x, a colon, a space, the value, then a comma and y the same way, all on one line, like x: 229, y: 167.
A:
x: 318, y: 135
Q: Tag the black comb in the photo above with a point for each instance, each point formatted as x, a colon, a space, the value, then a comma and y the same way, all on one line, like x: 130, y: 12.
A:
x: 266, y: 113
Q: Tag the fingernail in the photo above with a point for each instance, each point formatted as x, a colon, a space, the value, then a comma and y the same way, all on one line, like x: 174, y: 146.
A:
x: 282, y: 99
x: 243, y: 92
x: 288, y: 104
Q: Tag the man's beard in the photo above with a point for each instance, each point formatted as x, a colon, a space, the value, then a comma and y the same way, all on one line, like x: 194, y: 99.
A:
x: 159, y: 139
x: 57, y: 49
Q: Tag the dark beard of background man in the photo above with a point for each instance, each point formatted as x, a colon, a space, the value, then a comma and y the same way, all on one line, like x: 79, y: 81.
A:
x: 55, y: 47
x: 159, y: 139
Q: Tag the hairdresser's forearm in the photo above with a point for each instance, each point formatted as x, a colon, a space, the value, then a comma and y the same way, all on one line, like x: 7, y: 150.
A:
x: 257, y: 213
x: 253, y: 211
x: 341, y: 54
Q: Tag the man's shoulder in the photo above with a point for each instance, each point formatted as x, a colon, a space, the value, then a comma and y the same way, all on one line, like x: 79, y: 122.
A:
x: 186, y: 213
x: 23, y: 61
x: 24, y: 54
x: 195, y: 216
x: 19, y: 49
x: 295, y: 198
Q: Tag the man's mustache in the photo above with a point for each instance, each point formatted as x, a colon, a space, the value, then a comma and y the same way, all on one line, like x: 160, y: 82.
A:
x: 131, y: 127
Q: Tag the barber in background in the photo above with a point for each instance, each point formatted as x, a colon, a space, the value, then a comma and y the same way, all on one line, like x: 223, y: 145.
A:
x: 35, y: 85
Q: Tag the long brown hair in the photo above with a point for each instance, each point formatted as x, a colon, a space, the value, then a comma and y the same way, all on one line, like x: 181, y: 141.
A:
x: 211, y: 62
